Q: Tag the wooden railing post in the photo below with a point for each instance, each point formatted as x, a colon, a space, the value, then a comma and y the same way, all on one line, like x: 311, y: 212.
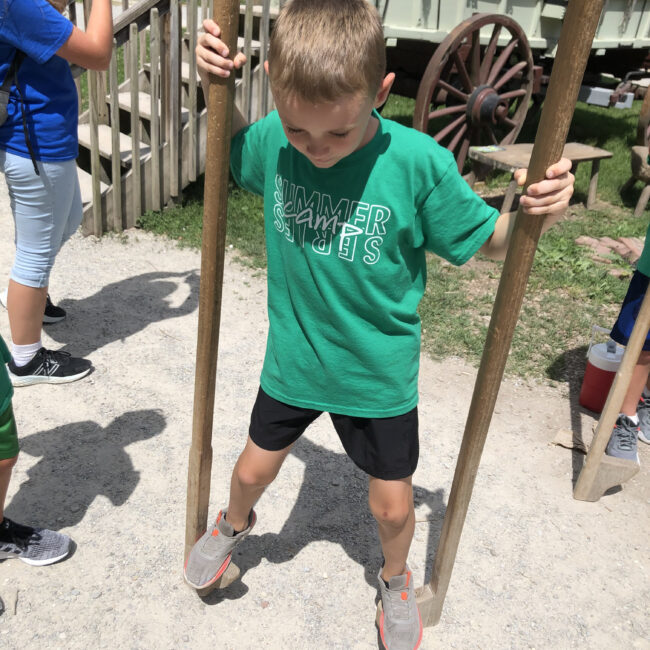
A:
x: 116, y: 162
x: 192, y: 130
x: 157, y: 200
x: 175, y: 134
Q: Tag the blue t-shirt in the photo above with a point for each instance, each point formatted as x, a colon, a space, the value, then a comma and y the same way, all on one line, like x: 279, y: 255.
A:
x: 45, y: 80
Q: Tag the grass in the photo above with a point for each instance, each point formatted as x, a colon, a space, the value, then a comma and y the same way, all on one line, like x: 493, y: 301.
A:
x: 567, y: 292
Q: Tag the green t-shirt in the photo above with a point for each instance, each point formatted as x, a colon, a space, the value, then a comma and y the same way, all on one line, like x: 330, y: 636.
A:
x: 6, y: 389
x: 346, y: 261
x: 643, y: 264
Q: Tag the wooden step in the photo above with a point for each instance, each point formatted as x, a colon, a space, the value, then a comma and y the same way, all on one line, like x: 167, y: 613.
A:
x: 144, y: 99
x: 86, y: 186
x: 105, y: 139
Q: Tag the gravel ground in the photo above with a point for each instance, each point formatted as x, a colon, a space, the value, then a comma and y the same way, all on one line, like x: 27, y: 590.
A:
x: 105, y: 460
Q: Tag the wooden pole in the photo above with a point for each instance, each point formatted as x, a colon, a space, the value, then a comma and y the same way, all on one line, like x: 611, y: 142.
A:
x: 578, y: 30
x: 220, y: 108
x: 601, y: 473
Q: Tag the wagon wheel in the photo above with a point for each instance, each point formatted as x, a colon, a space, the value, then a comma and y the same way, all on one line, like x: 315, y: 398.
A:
x: 476, y: 93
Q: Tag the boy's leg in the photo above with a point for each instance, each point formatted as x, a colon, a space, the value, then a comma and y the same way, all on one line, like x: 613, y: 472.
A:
x: 273, y: 429
x: 387, y: 449
x: 623, y: 439
x: 391, y: 503
x: 6, y: 465
x: 37, y: 546
x: 638, y: 382
x: 255, y: 469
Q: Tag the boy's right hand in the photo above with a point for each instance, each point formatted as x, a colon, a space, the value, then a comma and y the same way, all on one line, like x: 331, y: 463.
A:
x: 212, y: 53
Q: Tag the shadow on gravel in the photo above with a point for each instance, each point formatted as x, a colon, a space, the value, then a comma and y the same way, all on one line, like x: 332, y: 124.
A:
x: 121, y: 309
x: 79, y: 462
x: 570, y: 368
x: 332, y: 505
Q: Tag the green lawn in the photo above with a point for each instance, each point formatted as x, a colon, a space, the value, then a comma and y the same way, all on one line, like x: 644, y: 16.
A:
x: 567, y: 291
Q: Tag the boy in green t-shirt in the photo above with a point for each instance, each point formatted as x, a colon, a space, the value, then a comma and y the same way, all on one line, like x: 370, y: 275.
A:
x: 634, y: 419
x: 352, y: 202
x: 36, y: 546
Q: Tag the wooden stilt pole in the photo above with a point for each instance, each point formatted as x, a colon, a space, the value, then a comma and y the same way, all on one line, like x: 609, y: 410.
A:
x: 578, y: 30
x: 600, y: 472
x: 220, y: 108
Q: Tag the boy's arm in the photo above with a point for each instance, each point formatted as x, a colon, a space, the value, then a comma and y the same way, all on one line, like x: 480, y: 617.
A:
x: 549, y: 197
x: 212, y: 58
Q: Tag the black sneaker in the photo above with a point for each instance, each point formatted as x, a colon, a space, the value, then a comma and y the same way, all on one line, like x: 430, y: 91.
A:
x: 49, y: 367
x: 53, y: 314
x: 36, y: 546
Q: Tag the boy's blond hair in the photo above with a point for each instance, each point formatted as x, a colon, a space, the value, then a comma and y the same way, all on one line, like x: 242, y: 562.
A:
x: 321, y: 50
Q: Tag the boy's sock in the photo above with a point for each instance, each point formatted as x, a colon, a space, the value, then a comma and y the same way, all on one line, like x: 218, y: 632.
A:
x: 23, y: 354
x: 633, y: 418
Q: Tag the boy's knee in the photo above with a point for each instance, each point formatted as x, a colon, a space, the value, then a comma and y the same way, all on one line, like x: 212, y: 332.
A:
x: 254, y: 476
x: 394, y: 514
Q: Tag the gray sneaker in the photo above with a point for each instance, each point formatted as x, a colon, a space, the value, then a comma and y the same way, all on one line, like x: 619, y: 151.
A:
x: 36, y: 546
x: 622, y: 442
x: 211, y: 554
x: 643, y: 411
x: 400, y: 624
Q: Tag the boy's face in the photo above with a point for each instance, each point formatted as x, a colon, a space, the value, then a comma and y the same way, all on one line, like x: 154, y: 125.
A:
x: 327, y: 132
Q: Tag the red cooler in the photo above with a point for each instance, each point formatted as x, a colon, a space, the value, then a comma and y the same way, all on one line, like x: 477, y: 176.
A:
x: 603, y: 360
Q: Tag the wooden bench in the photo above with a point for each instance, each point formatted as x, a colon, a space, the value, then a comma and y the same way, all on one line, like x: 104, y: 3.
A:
x: 510, y: 157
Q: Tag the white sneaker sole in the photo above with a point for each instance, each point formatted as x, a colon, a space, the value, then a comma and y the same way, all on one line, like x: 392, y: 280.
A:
x: 30, y: 380
x: 32, y: 562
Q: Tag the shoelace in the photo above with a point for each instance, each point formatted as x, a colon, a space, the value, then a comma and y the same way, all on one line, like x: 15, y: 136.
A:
x: 20, y: 535
x: 55, y: 356
x: 626, y: 437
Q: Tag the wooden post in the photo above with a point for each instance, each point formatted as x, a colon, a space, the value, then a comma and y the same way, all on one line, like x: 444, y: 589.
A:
x: 220, y: 108
x: 577, y: 35
x: 116, y: 159
x: 600, y: 472
x: 176, y: 126
x: 193, y: 125
x: 156, y: 168
x: 135, y: 211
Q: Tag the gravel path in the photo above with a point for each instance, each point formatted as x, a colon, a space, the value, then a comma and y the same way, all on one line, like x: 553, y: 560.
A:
x: 105, y: 460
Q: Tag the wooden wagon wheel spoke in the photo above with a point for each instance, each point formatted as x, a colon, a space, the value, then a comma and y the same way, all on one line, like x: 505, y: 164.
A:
x: 458, y: 101
x: 449, y: 128
x: 452, y: 90
x: 488, y: 55
x: 512, y: 94
x: 462, y: 70
x: 450, y: 110
x: 501, y: 61
x: 475, y: 59
x: 456, y: 139
x: 518, y: 67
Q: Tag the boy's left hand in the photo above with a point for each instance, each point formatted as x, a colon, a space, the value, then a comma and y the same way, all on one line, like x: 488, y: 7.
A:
x: 550, y: 196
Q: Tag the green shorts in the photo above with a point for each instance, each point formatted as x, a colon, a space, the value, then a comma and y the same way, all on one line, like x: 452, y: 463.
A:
x: 8, y: 434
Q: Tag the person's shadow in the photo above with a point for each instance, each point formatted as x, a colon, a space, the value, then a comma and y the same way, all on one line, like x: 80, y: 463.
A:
x: 79, y: 462
x: 332, y: 505
x: 120, y: 309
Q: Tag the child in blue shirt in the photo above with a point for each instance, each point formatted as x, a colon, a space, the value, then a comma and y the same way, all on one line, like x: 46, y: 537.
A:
x: 38, y: 151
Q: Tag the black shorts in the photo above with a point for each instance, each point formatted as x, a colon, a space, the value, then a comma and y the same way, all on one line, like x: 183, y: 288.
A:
x: 630, y: 308
x: 385, y: 448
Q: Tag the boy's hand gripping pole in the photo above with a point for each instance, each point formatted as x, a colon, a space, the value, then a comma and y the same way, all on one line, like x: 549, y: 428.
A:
x: 220, y: 110
x: 578, y: 29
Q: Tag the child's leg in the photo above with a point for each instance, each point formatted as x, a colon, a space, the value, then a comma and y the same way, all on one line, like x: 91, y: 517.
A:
x: 255, y: 469
x: 638, y: 382
x: 6, y: 465
x: 391, y: 503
